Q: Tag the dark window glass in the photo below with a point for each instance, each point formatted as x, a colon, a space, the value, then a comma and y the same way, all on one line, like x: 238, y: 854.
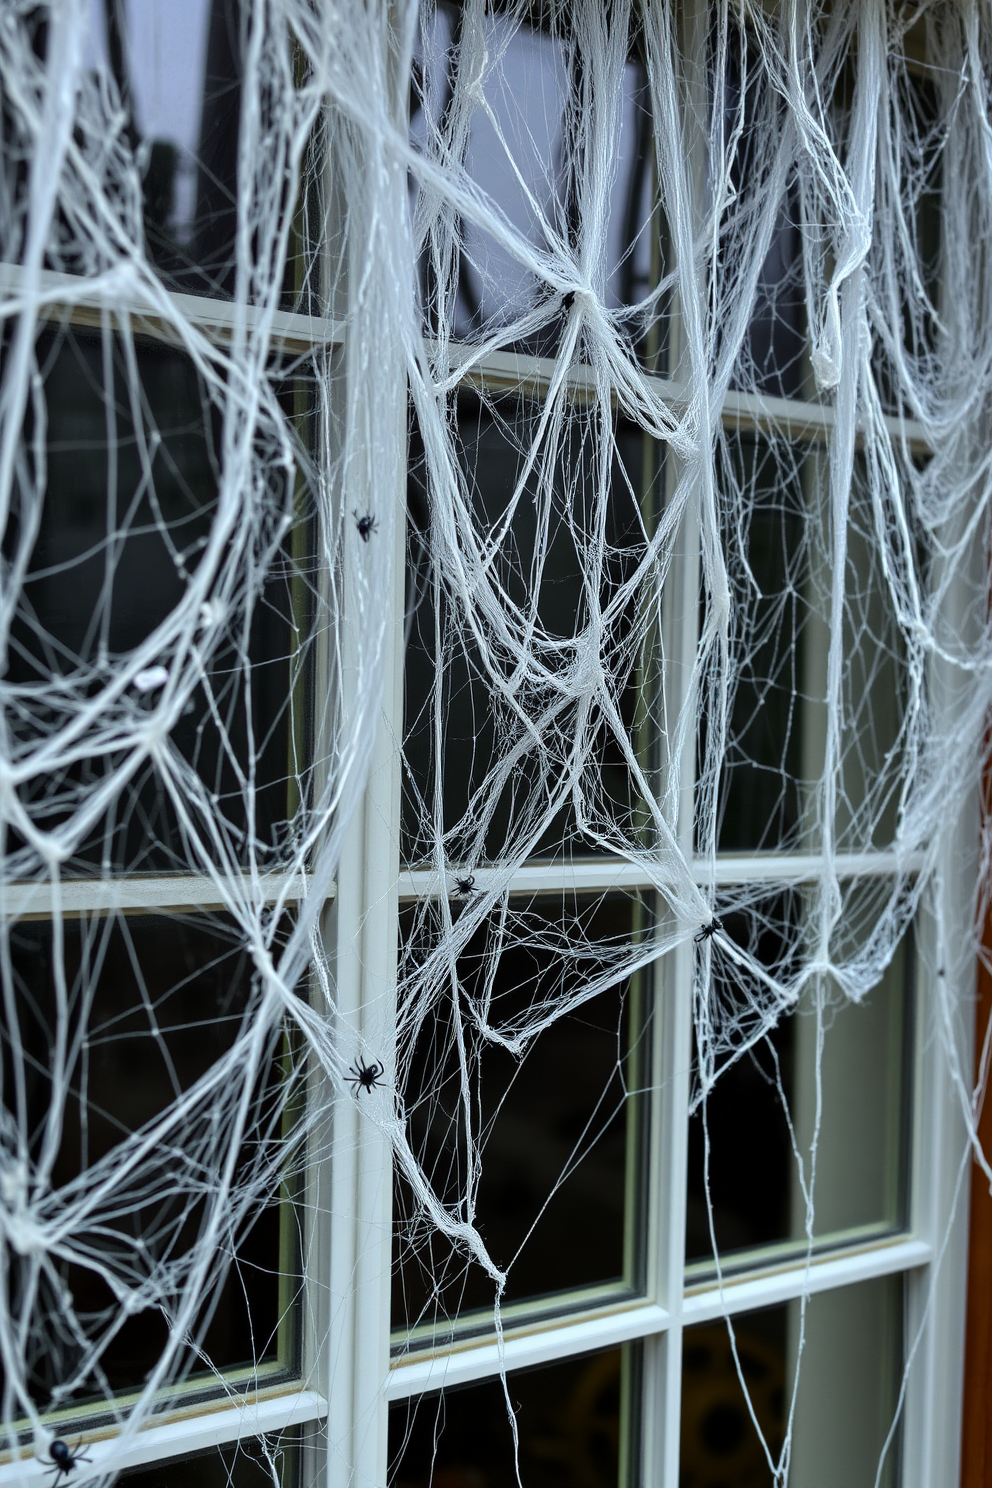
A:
x: 766, y: 1097
x: 765, y: 537
x: 509, y: 743
x: 576, y: 1422
x: 151, y: 1004
x: 777, y: 538
x: 558, y: 1130
x: 750, y: 112
x: 850, y: 1370
x: 252, y: 1463
x: 130, y: 498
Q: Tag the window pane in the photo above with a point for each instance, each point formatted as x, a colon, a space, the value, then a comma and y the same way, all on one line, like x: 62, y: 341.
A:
x: 576, y: 1422
x: 125, y: 508
x: 778, y: 543
x: 749, y: 115
x: 850, y: 1370
x: 515, y: 134
x: 157, y: 123
x: 755, y: 1183
x: 556, y: 1130
x: 761, y: 787
x: 513, y: 749
x: 257, y: 1462
x: 151, y: 1005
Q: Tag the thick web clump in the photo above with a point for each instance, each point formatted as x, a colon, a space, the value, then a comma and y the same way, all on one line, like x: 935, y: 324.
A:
x: 574, y: 258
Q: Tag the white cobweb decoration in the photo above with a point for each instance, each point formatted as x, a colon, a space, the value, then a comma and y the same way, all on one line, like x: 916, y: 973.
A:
x: 194, y: 619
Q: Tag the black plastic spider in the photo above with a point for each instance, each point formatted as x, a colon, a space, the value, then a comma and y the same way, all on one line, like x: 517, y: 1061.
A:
x: 366, y: 525
x: 366, y: 1075
x: 64, y: 1459
x: 708, y: 930
x: 465, y: 886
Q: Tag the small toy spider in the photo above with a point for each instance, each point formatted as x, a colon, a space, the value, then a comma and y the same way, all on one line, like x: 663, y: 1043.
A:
x: 708, y: 930
x: 366, y: 525
x: 465, y: 886
x: 367, y: 1076
x: 64, y: 1459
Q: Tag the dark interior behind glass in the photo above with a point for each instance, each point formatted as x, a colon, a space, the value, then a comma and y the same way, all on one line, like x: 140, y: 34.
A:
x: 130, y: 498
x: 152, y: 1002
x: 560, y: 1132
x: 575, y: 1422
x: 543, y: 550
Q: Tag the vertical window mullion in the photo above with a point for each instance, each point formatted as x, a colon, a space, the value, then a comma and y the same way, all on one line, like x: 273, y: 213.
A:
x: 680, y: 637
x: 362, y: 942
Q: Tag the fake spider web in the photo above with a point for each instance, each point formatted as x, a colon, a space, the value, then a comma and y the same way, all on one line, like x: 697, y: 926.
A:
x: 639, y: 633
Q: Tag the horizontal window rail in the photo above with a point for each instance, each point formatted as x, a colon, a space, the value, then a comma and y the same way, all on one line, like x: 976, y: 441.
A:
x: 169, y: 892
x: 87, y: 301
x: 195, y: 1430
x: 545, y: 1343
x: 604, y: 874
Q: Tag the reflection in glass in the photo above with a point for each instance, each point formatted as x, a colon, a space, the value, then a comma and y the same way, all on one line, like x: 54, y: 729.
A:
x: 577, y: 1423
x: 768, y: 1096
x: 499, y: 780
x: 152, y: 1002
x: 129, y: 500
x: 517, y: 152
x: 849, y: 1377
x: 159, y: 124
x: 175, y: 68
x: 253, y: 1462
x: 557, y: 1194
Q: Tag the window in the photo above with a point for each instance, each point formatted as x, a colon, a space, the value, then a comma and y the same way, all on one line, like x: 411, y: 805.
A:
x: 155, y: 1110
x: 493, y: 678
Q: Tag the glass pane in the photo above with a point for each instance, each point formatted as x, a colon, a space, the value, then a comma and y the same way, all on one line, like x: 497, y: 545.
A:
x: 849, y: 1378
x: 158, y: 124
x: 755, y: 1180
x: 150, y: 1005
x: 176, y: 72
x: 501, y: 785
x: 772, y: 358
x: 258, y: 1462
x: 906, y: 320
x: 515, y: 132
x: 778, y: 544
x: 129, y: 500
x: 577, y: 1424
x: 555, y: 1129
